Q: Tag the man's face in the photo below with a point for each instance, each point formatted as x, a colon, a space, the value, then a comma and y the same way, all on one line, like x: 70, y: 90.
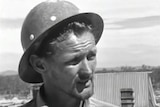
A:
x: 71, y: 68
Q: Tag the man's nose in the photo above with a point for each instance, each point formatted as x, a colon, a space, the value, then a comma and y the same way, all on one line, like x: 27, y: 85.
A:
x: 85, y: 72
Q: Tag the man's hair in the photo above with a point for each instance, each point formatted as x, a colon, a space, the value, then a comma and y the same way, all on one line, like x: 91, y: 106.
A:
x: 75, y: 27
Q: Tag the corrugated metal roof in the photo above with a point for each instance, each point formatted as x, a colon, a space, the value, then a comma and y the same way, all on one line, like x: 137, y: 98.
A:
x: 108, y: 86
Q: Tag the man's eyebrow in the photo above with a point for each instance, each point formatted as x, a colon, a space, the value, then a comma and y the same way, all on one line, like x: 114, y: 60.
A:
x: 78, y: 56
x: 94, y: 50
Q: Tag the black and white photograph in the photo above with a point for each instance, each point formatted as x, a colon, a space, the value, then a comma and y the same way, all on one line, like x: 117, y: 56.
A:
x: 79, y: 53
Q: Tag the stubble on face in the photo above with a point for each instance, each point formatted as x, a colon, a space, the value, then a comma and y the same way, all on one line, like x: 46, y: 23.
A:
x: 69, y: 60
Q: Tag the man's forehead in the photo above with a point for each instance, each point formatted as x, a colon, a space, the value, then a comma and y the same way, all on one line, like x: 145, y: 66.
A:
x: 74, y: 43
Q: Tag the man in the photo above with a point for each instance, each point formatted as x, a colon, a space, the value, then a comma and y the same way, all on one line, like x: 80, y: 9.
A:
x: 60, y: 52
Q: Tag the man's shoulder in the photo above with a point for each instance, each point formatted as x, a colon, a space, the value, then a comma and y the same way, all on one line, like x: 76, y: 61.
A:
x: 31, y: 103
x: 97, y: 103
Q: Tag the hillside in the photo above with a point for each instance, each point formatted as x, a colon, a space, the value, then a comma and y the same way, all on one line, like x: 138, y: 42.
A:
x: 13, y: 85
x: 8, y: 72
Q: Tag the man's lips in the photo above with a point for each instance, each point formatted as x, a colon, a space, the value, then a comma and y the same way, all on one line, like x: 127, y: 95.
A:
x: 84, y: 83
x: 81, y: 85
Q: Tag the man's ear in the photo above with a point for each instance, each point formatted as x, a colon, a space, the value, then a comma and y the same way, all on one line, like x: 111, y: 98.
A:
x: 37, y: 63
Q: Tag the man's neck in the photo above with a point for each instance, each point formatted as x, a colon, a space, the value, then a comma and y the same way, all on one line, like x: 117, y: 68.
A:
x: 57, y: 98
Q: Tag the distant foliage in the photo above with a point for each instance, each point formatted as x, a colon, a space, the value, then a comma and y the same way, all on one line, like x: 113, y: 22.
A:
x: 13, y: 85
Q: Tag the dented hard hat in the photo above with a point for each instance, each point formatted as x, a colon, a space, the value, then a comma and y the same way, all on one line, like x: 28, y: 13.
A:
x: 48, y: 17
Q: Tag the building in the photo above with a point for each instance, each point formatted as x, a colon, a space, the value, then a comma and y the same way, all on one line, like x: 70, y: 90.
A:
x: 125, y: 89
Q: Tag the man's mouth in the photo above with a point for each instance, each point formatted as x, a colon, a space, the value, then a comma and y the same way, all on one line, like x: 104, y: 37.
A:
x: 83, y: 84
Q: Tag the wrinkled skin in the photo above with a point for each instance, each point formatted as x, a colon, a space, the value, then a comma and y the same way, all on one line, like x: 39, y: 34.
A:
x: 71, y: 69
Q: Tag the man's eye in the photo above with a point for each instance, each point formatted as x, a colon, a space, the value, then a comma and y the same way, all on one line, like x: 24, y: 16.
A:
x: 73, y: 62
x: 91, y: 56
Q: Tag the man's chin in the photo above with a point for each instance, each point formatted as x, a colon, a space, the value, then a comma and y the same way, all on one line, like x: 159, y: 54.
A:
x: 84, y: 94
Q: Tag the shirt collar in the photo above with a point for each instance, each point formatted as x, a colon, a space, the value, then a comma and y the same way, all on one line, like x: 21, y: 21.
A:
x: 39, y: 100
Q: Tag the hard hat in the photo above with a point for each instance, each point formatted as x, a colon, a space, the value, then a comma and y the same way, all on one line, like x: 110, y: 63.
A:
x: 48, y: 17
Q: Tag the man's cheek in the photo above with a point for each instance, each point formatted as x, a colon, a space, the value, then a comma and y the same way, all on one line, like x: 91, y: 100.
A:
x: 72, y: 69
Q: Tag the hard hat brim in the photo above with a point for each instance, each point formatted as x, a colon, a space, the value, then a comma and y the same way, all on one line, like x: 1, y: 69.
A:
x: 26, y: 72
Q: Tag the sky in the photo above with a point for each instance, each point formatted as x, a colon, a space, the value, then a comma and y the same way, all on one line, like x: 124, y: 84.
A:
x: 131, y: 35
